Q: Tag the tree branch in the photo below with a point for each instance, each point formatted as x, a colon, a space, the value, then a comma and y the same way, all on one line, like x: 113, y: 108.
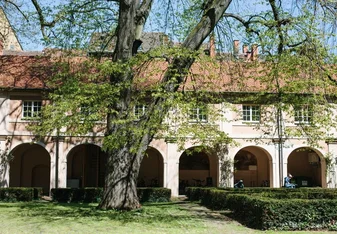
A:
x: 17, y: 8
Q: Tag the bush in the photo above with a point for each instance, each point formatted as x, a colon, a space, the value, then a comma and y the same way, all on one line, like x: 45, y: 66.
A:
x: 38, y: 191
x: 286, y: 214
x: 86, y: 195
x: 62, y: 194
x: 154, y: 194
x: 18, y: 194
x: 197, y: 193
x: 89, y: 195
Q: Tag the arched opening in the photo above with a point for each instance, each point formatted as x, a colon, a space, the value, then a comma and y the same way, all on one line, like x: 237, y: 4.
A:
x: 253, y: 165
x: 197, y: 168
x: 30, y: 167
x: 86, y: 166
x: 151, y: 172
x: 305, y: 165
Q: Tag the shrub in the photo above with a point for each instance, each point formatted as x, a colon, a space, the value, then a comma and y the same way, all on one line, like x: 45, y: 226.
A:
x: 17, y: 194
x: 38, y: 191
x: 197, y: 193
x: 154, y: 194
x: 286, y: 214
x: 62, y: 194
x: 89, y: 195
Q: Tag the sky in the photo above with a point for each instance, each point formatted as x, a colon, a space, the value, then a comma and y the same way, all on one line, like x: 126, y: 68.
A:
x: 33, y: 41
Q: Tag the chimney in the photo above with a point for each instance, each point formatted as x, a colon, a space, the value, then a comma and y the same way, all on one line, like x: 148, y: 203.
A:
x: 1, y: 48
x: 236, y: 45
x: 254, y: 52
x: 212, y: 46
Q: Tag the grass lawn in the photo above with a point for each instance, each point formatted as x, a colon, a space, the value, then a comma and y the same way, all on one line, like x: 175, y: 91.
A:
x: 172, y: 217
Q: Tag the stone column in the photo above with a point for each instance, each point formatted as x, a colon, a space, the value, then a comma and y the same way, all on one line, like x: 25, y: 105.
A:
x: 280, y: 168
x: 60, y: 160
x: 172, y: 167
x: 332, y: 173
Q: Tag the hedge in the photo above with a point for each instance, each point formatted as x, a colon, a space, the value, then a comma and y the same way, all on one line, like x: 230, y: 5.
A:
x: 197, y: 193
x: 154, y: 194
x: 93, y: 195
x: 14, y: 194
x: 287, y: 214
x: 280, y: 209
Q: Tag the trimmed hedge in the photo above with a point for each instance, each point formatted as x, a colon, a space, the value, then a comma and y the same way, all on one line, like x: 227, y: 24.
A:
x: 93, y: 195
x: 198, y: 193
x: 19, y: 194
x: 289, y: 214
x: 280, y: 209
x: 154, y: 194
x: 86, y: 195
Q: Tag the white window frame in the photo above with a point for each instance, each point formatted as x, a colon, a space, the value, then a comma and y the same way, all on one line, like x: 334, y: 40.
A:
x: 303, y: 114
x: 139, y: 110
x: 198, y: 115
x: 251, y: 113
x: 31, y: 109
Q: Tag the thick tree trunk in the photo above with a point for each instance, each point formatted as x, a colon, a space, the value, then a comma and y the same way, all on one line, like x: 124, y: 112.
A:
x: 121, y: 181
x: 123, y: 165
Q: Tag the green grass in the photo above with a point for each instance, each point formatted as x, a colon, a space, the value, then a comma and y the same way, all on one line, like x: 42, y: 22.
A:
x: 48, y: 217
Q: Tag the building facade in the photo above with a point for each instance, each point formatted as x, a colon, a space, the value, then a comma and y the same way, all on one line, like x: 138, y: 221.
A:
x: 78, y: 161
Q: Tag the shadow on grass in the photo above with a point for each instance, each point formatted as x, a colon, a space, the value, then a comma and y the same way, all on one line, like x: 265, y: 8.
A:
x: 169, y: 212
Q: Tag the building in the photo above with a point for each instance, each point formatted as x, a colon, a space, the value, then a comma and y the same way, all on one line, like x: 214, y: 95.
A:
x: 8, y: 37
x: 78, y: 161
x: 73, y: 161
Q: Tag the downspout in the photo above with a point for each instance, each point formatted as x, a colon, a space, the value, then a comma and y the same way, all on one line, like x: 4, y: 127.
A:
x: 280, y: 143
x: 57, y: 159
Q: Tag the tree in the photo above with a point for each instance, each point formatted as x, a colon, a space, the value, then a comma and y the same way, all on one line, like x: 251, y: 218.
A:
x: 126, y: 140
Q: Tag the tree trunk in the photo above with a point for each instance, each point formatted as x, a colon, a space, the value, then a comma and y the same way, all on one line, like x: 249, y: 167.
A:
x: 123, y: 165
x: 121, y: 181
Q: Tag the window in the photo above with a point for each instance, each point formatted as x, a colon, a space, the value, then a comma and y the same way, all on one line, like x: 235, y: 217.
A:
x: 303, y: 114
x: 85, y: 110
x: 250, y: 113
x: 198, y: 114
x: 139, y: 111
x: 31, y: 109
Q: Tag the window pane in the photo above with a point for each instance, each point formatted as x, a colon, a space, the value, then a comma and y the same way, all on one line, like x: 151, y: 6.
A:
x: 198, y: 114
x: 31, y: 109
x: 250, y: 113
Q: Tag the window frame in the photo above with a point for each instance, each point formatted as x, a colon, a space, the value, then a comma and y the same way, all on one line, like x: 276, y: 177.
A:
x: 303, y: 114
x: 249, y: 115
x: 199, y: 115
x: 138, y: 114
x: 29, y: 114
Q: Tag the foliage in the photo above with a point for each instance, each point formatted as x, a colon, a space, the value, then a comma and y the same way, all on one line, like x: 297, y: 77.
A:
x: 274, y: 208
x: 20, y: 194
x: 154, y: 194
x: 285, y: 214
x: 94, y: 195
x: 197, y: 193
x: 101, y: 93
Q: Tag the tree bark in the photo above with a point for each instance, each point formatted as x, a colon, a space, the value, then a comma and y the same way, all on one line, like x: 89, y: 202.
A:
x: 123, y: 164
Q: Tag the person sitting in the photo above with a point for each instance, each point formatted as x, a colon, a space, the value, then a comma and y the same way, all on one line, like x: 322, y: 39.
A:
x: 287, y: 182
x: 239, y: 184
